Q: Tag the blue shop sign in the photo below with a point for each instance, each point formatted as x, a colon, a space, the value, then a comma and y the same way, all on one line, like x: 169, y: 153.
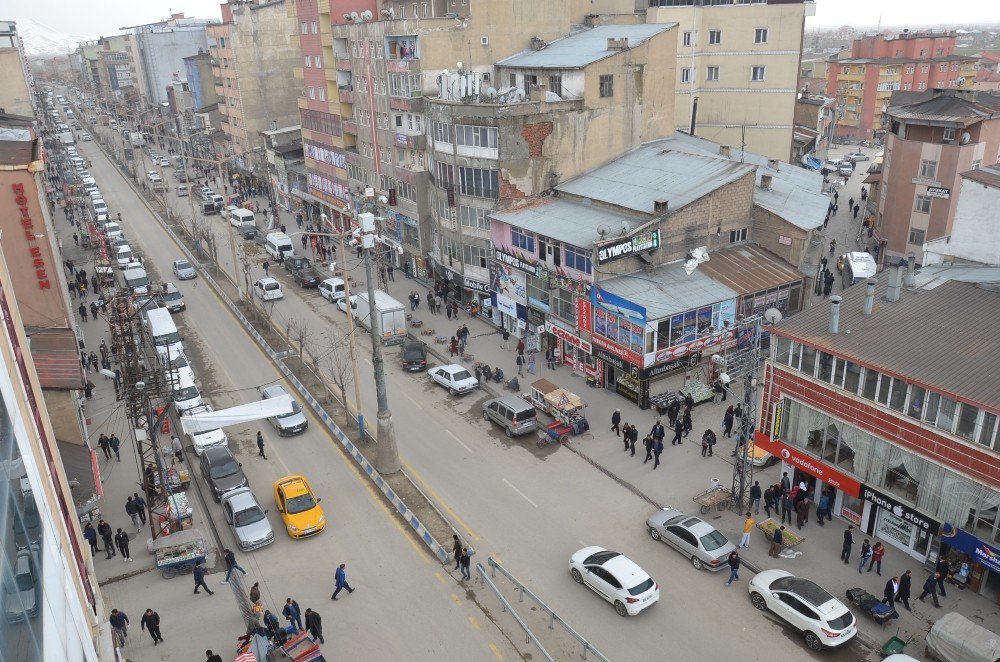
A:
x: 981, y: 552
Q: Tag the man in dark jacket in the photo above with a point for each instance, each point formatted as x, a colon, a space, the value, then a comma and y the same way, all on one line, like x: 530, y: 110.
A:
x: 90, y: 535
x: 616, y: 419
x: 151, y: 622
x: 292, y: 614
x: 658, y: 432
x: 314, y: 624
x: 121, y: 541
x: 943, y: 570
x: 678, y: 431
x: 930, y: 588
x: 734, y: 567
x: 199, y: 579
x: 755, y: 496
x: 903, y: 593
x: 104, y: 530
x: 119, y: 623
x: 648, y: 443
x: 845, y: 551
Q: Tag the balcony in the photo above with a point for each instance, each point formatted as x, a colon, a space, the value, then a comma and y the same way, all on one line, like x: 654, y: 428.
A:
x: 343, y: 63
x: 346, y: 94
x: 413, y: 103
x: 402, y: 66
x: 349, y: 126
x: 418, y: 141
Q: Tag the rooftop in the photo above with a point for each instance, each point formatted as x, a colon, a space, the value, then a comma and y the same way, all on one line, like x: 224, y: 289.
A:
x: 905, y: 60
x: 940, y: 333
x: 748, y: 269
x: 954, y: 107
x: 988, y: 176
x: 577, y: 50
x: 668, y: 289
x: 563, y: 220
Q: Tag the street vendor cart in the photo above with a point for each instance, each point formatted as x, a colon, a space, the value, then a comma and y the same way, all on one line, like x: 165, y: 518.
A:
x: 179, y: 552
x: 565, y: 407
x: 717, y: 497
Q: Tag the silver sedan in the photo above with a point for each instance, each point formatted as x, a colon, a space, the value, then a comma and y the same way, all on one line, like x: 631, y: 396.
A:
x: 696, y: 539
x: 183, y: 270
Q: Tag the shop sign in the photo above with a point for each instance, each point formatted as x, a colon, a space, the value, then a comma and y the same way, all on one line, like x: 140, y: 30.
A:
x: 810, y: 465
x: 895, y: 528
x: 776, y: 424
x: 938, y: 192
x: 850, y: 515
x: 514, y: 261
x: 628, y: 386
x: 506, y: 306
x: 28, y: 224
x: 616, y: 305
x: 611, y: 359
x: 900, y: 510
x: 646, y: 241
x: 475, y: 285
x: 661, y: 369
x: 626, y: 355
x: 584, y: 313
x: 715, y: 341
x: 983, y: 553
x: 563, y: 334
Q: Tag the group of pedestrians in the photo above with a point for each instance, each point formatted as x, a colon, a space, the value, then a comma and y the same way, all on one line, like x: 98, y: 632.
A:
x: 463, y: 557
x: 112, y: 540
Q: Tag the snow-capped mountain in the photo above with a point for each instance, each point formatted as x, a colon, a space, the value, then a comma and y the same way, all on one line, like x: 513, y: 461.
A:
x: 41, y: 39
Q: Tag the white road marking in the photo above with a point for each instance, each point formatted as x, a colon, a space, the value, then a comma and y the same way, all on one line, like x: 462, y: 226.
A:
x: 415, y: 403
x: 452, y: 435
x: 523, y: 496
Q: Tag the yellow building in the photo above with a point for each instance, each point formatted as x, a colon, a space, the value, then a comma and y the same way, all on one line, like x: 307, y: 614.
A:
x: 737, y: 69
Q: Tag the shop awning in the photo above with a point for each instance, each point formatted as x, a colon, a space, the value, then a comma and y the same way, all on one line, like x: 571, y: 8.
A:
x: 56, y: 357
x: 748, y: 269
x: 309, y: 197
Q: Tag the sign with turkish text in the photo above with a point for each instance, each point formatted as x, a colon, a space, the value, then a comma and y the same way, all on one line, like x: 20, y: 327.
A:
x: 28, y: 225
x: 475, y: 285
x: 626, y: 355
x: 506, y: 258
x: 938, y: 192
x: 712, y: 342
x: 983, y: 553
x: 900, y: 509
x: 566, y: 336
x: 626, y: 246
x: 808, y: 464
x: 584, y: 314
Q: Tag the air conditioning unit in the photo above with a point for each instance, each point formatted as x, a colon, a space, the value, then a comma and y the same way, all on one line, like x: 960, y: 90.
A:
x: 484, y: 40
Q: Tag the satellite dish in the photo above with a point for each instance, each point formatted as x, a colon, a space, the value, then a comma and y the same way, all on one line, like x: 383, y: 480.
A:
x: 366, y: 15
x: 966, y: 137
x: 603, y: 230
x: 491, y: 92
x: 355, y: 17
x: 519, y: 94
x: 772, y: 315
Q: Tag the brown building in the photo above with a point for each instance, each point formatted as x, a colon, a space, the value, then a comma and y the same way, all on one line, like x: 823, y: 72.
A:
x: 933, y: 137
x: 815, y: 118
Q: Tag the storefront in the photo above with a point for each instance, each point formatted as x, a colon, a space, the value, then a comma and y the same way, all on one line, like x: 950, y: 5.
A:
x: 476, y: 293
x: 981, y: 559
x: 571, y: 349
x: 508, y: 283
x: 897, y: 523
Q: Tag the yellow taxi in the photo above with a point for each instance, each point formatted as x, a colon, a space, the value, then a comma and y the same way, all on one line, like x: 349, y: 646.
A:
x: 758, y: 457
x: 298, y: 506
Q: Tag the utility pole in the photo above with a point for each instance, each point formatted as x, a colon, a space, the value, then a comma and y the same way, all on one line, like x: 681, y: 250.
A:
x: 744, y: 362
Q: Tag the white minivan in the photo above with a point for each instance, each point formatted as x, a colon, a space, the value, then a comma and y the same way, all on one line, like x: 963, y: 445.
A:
x: 137, y: 279
x: 268, y: 289
x: 124, y: 256
x: 162, y: 329
x: 332, y: 289
x: 100, y: 207
x: 278, y: 243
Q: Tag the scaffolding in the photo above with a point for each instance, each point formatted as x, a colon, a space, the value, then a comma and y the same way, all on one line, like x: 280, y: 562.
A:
x: 742, y: 361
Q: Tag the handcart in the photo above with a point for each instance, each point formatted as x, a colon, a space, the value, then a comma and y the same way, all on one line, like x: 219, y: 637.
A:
x: 714, y: 497
x: 565, y: 407
x: 879, y: 612
x: 180, y: 552
x: 895, y: 645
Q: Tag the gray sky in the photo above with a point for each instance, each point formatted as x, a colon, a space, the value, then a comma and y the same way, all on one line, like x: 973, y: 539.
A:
x: 104, y: 17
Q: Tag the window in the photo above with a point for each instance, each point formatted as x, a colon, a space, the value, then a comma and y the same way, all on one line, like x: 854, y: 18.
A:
x: 322, y: 93
x: 476, y: 136
x: 757, y: 73
x: 922, y: 205
x: 309, y: 61
x: 317, y: 61
x: 852, y: 376
x: 407, y: 191
x: 808, y: 360
x: 522, y: 239
x: 738, y: 235
x: 555, y: 84
x: 870, y: 384
x: 922, y: 86
x: 312, y: 92
x: 918, y: 395
x: 898, y: 397
x: 445, y: 173
x: 943, y: 68
x: 314, y: 27
x: 564, y: 305
x: 686, y: 75
x: 578, y: 258
x: 967, y: 421
x: 688, y: 38
x: 715, y: 37
x: 910, y: 68
x: 916, y: 237
x: 304, y: 27
x: 513, y: 80
x: 403, y: 85
x: 474, y: 256
x: 442, y: 132
x: 760, y: 36
x: 474, y: 218
x: 987, y: 429
x: 537, y: 290
x: 977, y: 164
x: 925, y: 68
x: 948, y: 134
x: 479, y: 182
x: 607, y: 85
x: 529, y: 80
x: 712, y: 74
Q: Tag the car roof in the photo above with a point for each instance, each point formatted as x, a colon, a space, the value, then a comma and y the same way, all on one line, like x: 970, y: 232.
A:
x: 453, y: 368
x: 293, y: 485
x: 216, y: 454
x: 625, y: 570
x: 169, y: 288
x: 241, y: 498
x: 274, y: 391
x: 267, y: 281
x: 806, y: 589
x: 694, y: 524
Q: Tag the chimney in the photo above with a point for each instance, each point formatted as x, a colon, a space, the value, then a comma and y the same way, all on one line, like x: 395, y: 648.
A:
x: 660, y: 206
x: 773, y: 164
x: 765, y: 181
x: 835, y: 314
x: 895, y: 283
x: 910, y: 278
x: 724, y: 150
x: 869, y: 296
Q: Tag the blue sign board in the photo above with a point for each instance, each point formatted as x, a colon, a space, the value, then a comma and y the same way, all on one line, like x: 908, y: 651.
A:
x: 616, y: 305
x: 981, y: 552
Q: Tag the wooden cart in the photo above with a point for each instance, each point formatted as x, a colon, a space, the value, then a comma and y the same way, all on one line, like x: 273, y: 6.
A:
x: 565, y: 407
x: 713, y: 497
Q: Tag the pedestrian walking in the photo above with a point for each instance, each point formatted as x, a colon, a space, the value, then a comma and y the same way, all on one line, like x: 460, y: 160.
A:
x: 93, y: 311
x: 105, y: 445
x: 878, y: 551
x: 769, y: 500
x: 626, y: 435
x: 686, y: 419
x: 890, y: 591
x: 550, y: 358
x: 175, y: 444
x: 657, y: 450
x: 260, y: 445
x: 340, y: 578
x: 845, y: 551
x: 632, y: 438
x: 104, y: 530
x: 755, y: 497
x: 850, y: 203
x: 648, y: 443
x: 231, y: 564
x: 748, y: 525
x: 314, y: 624
x: 786, y: 507
x: 151, y: 623
x: 833, y: 246
x: 140, y: 507
x: 930, y: 588
x: 734, y: 567
x: 802, y: 512
x: 199, y: 579
x: 456, y: 550
x: 115, y: 444
x: 466, y: 562
x: 903, y: 593
x: 943, y: 570
x: 673, y: 409
x: 727, y: 422
x: 857, y: 208
x: 453, y: 346
x: 822, y: 507
x: 130, y: 510
x: 678, y: 431
x: 119, y: 625
x: 506, y: 340
x: 707, y: 442
x: 267, y: 265
x: 777, y: 540
x: 520, y: 365
x: 121, y: 542
x: 616, y: 419
x: 866, y: 554
x: 83, y: 311
x: 90, y: 535
x: 292, y: 614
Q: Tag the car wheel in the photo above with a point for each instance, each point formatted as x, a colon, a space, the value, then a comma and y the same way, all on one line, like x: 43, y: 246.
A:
x: 757, y: 600
x: 452, y: 391
x: 508, y: 432
x: 577, y: 577
x: 696, y: 562
x: 620, y: 608
x: 486, y: 417
x: 654, y: 534
x: 813, y: 642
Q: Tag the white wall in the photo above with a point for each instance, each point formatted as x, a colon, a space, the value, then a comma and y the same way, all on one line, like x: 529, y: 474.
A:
x: 974, y: 235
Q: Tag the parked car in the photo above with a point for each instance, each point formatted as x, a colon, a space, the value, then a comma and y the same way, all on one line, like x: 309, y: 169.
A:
x: 414, y: 356
x: 183, y: 270
x: 221, y: 471
x: 85, y: 137
x: 845, y: 170
x: 822, y: 619
x: 332, y: 289
x: 515, y: 415
x: 295, y: 262
x: 854, y: 157
x: 268, y: 289
x: 208, y: 438
x: 247, y: 519
x: 299, y: 507
x: 306, y: 277
x: 21, y: 591
x: 616, y: 578
x: 456, y: 378
x: 286, y: 424
x: 342, y: 304
x: 165, y: 162
x: 696, y: 539
x: 171, y: 298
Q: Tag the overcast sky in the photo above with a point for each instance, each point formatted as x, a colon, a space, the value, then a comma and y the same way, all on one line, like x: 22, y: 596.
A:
x: 104, y: 17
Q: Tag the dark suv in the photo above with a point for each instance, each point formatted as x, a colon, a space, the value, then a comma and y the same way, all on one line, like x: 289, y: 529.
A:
x: 221, y: 471
x: 414, y: 356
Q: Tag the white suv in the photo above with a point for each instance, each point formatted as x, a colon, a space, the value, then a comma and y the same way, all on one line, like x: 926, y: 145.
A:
x: 822, y: 619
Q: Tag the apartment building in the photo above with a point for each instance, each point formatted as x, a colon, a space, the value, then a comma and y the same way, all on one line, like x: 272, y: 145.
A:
x: 15, y: 93
x: 162, y: 47
x: 864, y: 77
x: 737, y: 69
x: 934, y: 137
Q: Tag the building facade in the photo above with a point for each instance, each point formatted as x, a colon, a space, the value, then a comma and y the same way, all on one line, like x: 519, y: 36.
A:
x: 815, y: 120
x: 933, y: 138
x: 161, y: 49
x: 864, y: 78
x: 973, y: 237
x: 737, y: 69
x: 15, y: 93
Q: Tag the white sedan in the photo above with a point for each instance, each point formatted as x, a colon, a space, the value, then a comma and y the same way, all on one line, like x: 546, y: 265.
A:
x: 342, y: 305
x: 616, y: 578
x: 454, y: 377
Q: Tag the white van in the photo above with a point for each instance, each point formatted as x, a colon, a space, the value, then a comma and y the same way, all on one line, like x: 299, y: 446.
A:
x: 166, y: 339
x: 332, y: 289
x: 237, y: 217
x: 100, y: 207
x: 278, y: 243
x: 268, y: 289
x: 123, y: 256
x: 857, y: 266
x: 136, y: 278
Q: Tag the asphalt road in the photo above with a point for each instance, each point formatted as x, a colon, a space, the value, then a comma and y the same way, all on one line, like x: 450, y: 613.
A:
x: 529, y: 508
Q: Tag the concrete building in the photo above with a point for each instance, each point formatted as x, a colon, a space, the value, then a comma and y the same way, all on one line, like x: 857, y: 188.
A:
x: 253, y: 55
x: 933, y: 137
x: 737, y: 69
x: 162, y: 47
x: 974, y: 233
x: 201, y: 81
x: 179, y: 97
x: 815, y: 120
x: 15, y: 92
x: 889, y: 399
x: 285, y: 163
x: 864, y: 78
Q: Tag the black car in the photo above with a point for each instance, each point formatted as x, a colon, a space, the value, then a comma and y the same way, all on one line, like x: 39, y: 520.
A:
x: 295, y: 262
x: 414, y: 356
x: 221, y: 471
x: 306, y: 277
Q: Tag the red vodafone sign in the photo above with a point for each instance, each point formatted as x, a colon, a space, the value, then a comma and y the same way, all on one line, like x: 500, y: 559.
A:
x: 811, y: 466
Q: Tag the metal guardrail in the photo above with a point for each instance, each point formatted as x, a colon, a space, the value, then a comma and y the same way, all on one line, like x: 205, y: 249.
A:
x: 554, y: 618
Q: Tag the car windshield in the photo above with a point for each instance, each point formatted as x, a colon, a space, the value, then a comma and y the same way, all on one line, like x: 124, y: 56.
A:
x: 170, y: 296
x: 641, y: 588
x: 461, y: 375
x: 226, y: 467
x: 186, y: 393
x: 167, y: 338
x: 713, y: 541
x: 296, y: 409
x: 600, y: 558
x: 301, y: 503
x: 24, y: 582
x: 248, y: 516
x: 178, y: 361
